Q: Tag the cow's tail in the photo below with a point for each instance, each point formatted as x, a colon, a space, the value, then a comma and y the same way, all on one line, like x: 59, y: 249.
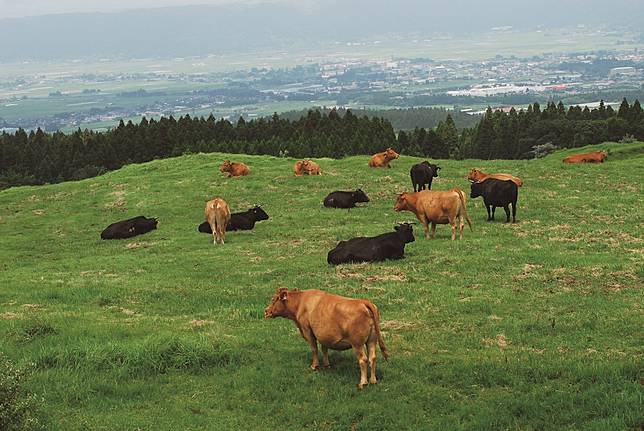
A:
x: 462, y: 198
x: 376, y: 320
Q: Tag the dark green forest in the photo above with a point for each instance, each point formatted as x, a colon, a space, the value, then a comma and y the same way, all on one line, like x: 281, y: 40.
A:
x: 403, y: 118
x: 37, y: 157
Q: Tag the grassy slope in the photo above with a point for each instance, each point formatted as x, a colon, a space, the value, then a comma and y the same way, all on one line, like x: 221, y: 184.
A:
x: 535, y: 325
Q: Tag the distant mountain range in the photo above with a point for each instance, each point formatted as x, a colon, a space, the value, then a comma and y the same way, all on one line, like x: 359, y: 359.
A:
x: 202, y: 30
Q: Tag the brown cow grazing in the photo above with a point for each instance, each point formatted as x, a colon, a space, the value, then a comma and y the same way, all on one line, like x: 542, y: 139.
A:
x: 217, y: 216
x: 306, y: 167
x: 478, y: 176
x: 234, y: 169
x: 593, y: 157
x: 337, y: 322
x: 381, y: 160
x: 437, y: 207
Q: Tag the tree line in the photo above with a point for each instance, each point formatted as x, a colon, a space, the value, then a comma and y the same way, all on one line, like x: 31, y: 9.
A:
x: 37, y: 157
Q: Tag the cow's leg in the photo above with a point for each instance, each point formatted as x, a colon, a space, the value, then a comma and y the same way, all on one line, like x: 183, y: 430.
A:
x: 423, y: 220
x: 493, y: 209
x: 462, y: 225
x: 489, y: 213
x: 362, y: 361
x: 325, y: 357
x: 452, y: 223
x: 313, y: 343
x: 371, y: 350
x: 433, y: 230
x: 506, y: 208
x: 214, y: 235
x: 514, y: 212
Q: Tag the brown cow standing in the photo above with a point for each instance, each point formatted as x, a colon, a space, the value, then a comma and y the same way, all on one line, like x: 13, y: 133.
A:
x: 234, y: 169
x: 437, y: 207
x: 306, y: 167
x: 337, y: 322
x: 217, y: 216
x: 381, y: 160
x: 593, y: 157
x: 478, y: 176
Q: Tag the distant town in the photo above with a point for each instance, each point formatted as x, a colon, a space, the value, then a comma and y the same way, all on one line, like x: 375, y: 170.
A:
x: 100, y: 99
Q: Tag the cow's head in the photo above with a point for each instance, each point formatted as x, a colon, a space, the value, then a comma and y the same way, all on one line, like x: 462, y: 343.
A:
x: 474, y: 175
x: 391, y: 154
x: 360, y: 196
x: 476, y: 189
x: 278, y: 306
x: 402, y: 202
x: 226, y: 166
x: 299, y: 165
x: 434, y: 169
x: 259, y: 213
x: 406, y: 231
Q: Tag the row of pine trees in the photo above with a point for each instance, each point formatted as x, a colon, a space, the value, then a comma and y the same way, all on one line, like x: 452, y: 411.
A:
x: 38, y: 157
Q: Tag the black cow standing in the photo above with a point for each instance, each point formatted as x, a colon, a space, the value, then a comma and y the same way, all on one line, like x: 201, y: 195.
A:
x: 129, y: 228
x: 423, y: 173
x: 339, y: 199
x: 371, y: 249
x: 239, y: 221
x: 497, y: 193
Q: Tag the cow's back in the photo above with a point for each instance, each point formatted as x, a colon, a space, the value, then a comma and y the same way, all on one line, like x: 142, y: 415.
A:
x: 333, y: 317
x: 436, y: 204
x: 500, y: 193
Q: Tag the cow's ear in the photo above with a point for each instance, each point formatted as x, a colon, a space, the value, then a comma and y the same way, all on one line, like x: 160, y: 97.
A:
x: 283, y: 294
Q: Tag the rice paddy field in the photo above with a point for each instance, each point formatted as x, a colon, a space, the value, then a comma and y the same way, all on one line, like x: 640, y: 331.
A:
x: 535, y: 325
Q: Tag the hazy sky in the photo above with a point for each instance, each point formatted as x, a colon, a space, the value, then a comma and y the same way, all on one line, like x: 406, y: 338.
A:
x: 18, y: 8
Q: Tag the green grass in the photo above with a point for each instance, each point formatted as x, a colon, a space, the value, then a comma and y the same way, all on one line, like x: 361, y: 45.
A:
x: 534, y: 325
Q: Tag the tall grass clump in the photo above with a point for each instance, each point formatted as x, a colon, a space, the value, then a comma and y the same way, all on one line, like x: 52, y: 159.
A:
x: 18, y: 408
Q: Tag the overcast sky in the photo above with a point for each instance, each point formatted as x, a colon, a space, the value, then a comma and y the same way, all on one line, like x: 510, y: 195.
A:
x: 19, y: 8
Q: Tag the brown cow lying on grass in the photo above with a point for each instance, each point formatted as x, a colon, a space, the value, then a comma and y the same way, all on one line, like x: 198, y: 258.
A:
x: 437, y: 207
x: 306, y: 167
x: 234, y: 169
x: 593, y: 157
x: 381, y: 160
x: 478, y: 176
x: 337, y: 322
x: 217, y: 215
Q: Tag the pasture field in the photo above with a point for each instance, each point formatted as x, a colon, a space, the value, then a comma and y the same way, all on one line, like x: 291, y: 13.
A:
x: 533, y: 325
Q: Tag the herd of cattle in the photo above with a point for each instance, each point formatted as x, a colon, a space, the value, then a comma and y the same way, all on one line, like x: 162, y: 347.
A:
x: 334, y: 321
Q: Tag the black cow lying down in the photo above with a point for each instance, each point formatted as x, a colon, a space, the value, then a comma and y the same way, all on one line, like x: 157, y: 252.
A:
x: 339, y: 199
x: 129, y: 228
x: 240, y: 221
x: 371, y: 249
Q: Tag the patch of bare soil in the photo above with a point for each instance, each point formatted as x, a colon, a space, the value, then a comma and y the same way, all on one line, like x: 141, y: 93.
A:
x: 197, y: 323
x: 400, y: 325
x: 139, y: 244
x: 499, y: 341
x: 527, y: 272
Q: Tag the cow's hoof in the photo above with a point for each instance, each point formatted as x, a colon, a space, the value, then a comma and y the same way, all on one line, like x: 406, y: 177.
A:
x: 361, y: 386
x: 373, y: 382
x: 315, y: 367
x: 327, y: 366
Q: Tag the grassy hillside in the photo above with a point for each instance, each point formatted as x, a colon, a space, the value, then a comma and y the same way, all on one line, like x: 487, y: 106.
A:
x: 534, y: 325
